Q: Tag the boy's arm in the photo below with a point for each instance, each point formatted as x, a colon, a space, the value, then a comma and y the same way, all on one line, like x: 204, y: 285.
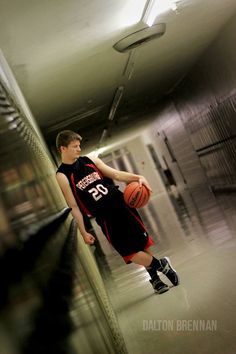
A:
x: 69, y: 197
x: 119, y: 175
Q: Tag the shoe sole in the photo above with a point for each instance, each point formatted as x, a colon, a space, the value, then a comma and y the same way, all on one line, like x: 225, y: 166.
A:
x: 168, y: 260
x: 161, y: 291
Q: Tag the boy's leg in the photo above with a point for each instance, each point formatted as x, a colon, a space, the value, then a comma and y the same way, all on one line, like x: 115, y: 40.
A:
x: 167, y: 269
x: 142, y: 258
x: 149, y: 252
x: 150, y: 263
x: 153, y: 265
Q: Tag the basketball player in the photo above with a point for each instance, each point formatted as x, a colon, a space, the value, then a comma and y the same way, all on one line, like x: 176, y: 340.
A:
x: 88, y: 192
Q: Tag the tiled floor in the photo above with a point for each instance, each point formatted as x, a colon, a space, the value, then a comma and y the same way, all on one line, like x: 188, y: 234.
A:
x: 198, y: 316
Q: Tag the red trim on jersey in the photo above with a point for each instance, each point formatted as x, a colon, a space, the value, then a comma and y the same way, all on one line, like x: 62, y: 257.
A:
x: 128, y: 258
x: 150, y: 243
x: 107, y: 233
x: 137, y: 218
x: 95, y: 168
x: 81, y: 204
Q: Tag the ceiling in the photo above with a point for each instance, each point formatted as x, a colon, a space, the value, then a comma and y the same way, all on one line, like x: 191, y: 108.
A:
x: 62, y: 55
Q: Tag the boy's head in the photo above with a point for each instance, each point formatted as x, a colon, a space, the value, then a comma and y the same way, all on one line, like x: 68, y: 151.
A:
x: 65, y: 137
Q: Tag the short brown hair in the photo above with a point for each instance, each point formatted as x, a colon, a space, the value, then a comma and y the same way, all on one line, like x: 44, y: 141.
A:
x: 65, y: 137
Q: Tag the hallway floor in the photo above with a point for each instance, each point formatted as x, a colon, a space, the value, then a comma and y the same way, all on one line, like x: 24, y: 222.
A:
x: 196, y: 317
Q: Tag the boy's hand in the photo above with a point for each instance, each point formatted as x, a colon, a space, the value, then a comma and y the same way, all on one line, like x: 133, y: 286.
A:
x: 142, y: 180
x: 88, y: 238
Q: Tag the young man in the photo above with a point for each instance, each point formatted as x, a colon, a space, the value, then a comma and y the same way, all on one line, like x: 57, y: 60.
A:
x: 88, y: 192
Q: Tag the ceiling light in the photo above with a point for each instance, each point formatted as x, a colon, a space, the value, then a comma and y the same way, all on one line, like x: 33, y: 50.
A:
x: 157, y: 7
x: 131, y: 13
x: 97, y: 152
x: 115, y: 103
x: 103, y: 136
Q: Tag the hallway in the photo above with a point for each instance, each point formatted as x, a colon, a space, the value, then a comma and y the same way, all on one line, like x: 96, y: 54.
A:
x: 196, y: 317
x: 151, y: 90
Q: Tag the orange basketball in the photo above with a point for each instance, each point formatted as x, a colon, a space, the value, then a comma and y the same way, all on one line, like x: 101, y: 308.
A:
x: 136, y: 196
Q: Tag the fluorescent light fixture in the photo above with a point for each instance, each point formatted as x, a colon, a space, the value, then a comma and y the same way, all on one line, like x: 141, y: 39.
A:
x: 97, y: 152
x: 131, y: 13
x: 157, y: 7
x: 116, y: 101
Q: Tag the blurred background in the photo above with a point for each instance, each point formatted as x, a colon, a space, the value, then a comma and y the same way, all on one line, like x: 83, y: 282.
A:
x: 150, y: 85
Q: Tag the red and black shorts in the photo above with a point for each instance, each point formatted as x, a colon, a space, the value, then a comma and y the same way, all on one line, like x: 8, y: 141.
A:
x: 124, y: 229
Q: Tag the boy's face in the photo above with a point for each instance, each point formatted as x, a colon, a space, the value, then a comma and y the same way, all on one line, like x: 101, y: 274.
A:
x: 72, y: 150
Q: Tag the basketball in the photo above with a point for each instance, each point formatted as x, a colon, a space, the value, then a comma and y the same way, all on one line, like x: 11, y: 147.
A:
x: 136, y: 196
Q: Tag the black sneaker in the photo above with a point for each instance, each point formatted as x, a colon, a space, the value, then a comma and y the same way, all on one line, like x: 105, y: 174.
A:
x: 169, y: 271
x: 158, y: 286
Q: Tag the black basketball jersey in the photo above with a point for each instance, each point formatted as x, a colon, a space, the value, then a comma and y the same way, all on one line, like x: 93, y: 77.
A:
x: 91, y: 190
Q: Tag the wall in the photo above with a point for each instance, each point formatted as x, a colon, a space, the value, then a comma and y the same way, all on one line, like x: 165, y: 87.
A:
x: 195, y: 136
x: 52, y: 299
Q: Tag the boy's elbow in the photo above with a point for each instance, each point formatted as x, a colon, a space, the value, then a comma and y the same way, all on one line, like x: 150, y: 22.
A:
x: 116, y: 176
